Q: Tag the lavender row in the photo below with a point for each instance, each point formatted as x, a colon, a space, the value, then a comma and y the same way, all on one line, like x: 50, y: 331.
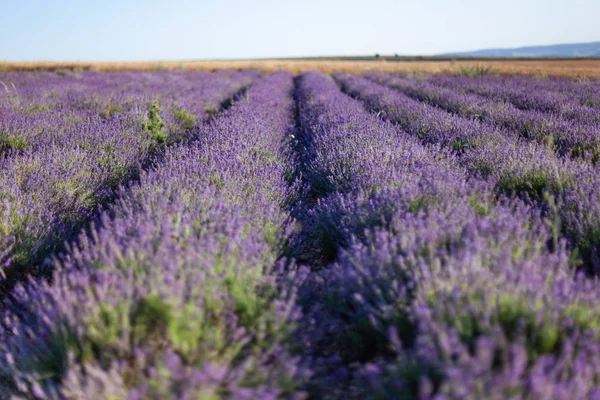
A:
x: 515, y: 166
x: 571, y: 138
x: 353, y: 160
x: 522, y: 97
x: 360, y: 174
x: 171, y: 295
x: 486, y: 151
x: 584, y: 91
x: 437, y: 278
x: 49, y: 110
x: 71, y: 156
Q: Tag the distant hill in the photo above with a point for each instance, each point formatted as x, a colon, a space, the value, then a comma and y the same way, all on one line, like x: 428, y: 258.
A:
x: 555, y: 50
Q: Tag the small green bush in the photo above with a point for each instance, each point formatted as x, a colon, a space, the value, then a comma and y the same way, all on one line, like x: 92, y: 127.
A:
x: 155, y: 125
x: 186, y: 119
x: 534, y: 183
x: 11, y: 142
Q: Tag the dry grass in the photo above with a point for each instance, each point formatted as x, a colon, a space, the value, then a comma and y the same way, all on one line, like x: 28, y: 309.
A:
x: 572, y: 68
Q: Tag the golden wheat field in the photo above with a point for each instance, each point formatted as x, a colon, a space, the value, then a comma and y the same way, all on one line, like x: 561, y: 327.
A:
x: 589, y: 68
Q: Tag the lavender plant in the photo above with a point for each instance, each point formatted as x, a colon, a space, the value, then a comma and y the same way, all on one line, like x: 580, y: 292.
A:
x: 325, y: 237
x: 512, y: 91
x: 570, y: 138
x: 171, y: 295
x: 70, y: 157
x: 386, y: 306
x: 515, y: 166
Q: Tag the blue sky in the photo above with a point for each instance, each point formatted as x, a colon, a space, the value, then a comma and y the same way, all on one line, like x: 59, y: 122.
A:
x: 185, y: 29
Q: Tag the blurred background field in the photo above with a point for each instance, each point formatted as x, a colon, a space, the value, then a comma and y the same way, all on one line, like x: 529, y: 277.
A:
x: 589, y: 68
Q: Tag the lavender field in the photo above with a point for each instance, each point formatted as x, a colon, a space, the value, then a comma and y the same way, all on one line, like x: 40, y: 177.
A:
x: 242, y: 235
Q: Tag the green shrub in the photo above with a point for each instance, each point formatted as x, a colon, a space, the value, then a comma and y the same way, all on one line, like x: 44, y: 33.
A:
x: 185, y: 119
x: 155, y: 125
x: 12, y: 142
x: 534, y: 183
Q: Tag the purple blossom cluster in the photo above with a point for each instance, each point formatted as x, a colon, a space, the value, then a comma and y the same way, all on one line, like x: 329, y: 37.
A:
x: 581, y: 90
x: 171, y: 294
x: 234, y: 235
x: 565, y: 189
x: 445, y: 293
x: 523, y: 96
x: 66, y: 143
x: 354, y: 165
x: 572, y: 138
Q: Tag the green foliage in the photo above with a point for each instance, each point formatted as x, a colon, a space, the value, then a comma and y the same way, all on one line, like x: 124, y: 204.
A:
x: 545, y: 338
x: 589, y: 151
x: 467, y: 327
x: 36, y: 109
x: 290, y: 175
x: 553, y: 221
x: 591, y: 103
x: 155, y: 125
x: 362, y: 338
x: 409, y: 374
x: 510, y: 311
x: 151, y: 315
x: 110, y: 110
x: 590, y: 241
x: 187, y: 327
x: 534, y: 183
x: 16, y: 225
x: 264, y: 155
x: 52, y: 361
x: 514, y: 313
x: 519, y: 317
x: 73, y: 190
x: 483, y: 167
x: 248, y: 304
x: 463, y: 144
x: 458, y: 145
x: 549, y: 141
x: 211, y: 111
x: 216, y: 180
x: 105, y: 329
x: 185, y: 119
x: 480, y: 208
x: 271, y: 235
x: 585, y: 318
x: 417, y: 204
x: 12, y: 142
x: 151, y: 321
